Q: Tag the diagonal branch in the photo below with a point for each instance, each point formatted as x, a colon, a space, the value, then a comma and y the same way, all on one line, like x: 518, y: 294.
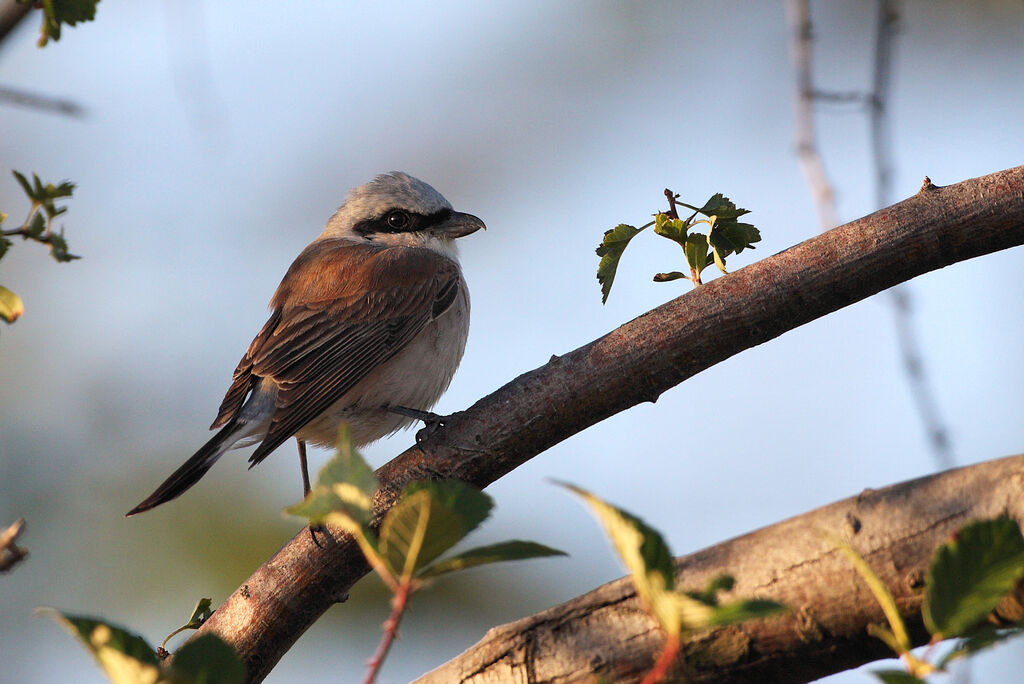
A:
x: 635, y: 363
x: 606, y: 633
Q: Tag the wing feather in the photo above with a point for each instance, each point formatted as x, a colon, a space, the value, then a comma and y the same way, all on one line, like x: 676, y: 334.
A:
x: 342, y: 309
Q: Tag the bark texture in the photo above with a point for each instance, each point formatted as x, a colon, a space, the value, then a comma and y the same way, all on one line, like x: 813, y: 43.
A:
x: 606, y: 633
x: 634, y: 363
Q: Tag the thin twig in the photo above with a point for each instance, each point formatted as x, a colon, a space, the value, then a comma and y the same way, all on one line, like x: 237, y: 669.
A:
x: 10, y: 553
x: 668, y: 656
x: 398, y: 604
x: 45, y: 103
x: 906, y: 335
x: 811, y: 164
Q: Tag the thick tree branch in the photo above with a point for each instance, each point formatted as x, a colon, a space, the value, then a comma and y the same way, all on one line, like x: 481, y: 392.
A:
x: 632, y: 364
x: 606, y: 633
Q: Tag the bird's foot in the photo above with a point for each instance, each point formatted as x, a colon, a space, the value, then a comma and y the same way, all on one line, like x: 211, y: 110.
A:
x: 432, y: 422
x: 315, y: 530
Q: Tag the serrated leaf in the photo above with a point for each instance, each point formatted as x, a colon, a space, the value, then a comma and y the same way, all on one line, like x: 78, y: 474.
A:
x: 11, y: 306
x: 672, y: 228
x: 644, y: 553
x: 207, y: 659
x: 492, y: 553
x: 970, y: 574
x: 429, y: 519
x: 59, y: 248
x: 58, y: 12
x: 721, y: 206
x: 25, y: 185
x: 125, y: 657
x: 978, y: 639
x: 345, y: 485
x: 610, y: 250
x: 696, y: 249
x: 63, y: 189
x: 897, y: 677
x: 37, y: 226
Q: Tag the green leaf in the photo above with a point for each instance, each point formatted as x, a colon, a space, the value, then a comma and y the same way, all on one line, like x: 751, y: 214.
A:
x: 37, y: 226
x: 59, y: 248
x: 746, y: 609
x: 970, y: 574
x: 978, y: 639
x: 208, y: 660
x: 697, y: 251
x: 64, y: 189
x: 200, y: 614
x: 25, y: 185
x: 666, y: 277
x: 345, y: 485
x: 5, y: 244
x: 645, y: 555
x: 429, y: 519
x: 672, y: 228
x: 610, y: 250
x: 58, y: 12
x: 11, y: 306
x: 721, y: 206
x: 897, y: 677
x: 493, y: 553
x: 125, y: 657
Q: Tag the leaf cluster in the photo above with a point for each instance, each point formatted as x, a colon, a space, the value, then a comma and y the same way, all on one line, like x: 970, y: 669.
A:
x: 725, y: 235
x: 37, y: 227
x: 428, y: 519
x: 968, y: 576
x: 59, y: 12
x: 127, y: 658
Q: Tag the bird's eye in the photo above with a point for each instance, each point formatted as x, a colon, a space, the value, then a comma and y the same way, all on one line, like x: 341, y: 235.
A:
x: 397, y: 220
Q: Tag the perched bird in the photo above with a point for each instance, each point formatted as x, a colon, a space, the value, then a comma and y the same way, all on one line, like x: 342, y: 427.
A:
x: 368, y: 326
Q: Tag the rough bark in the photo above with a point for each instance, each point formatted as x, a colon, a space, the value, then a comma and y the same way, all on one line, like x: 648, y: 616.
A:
x: 636, y: 362
x: 607, y: 634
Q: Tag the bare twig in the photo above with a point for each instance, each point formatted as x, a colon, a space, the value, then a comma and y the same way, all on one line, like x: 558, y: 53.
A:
x: 10, y: 553
x: 910, y: 348
x: 398, y: 604
x: 45, y: 103
x: 11, y: 14
x: 811, y: 164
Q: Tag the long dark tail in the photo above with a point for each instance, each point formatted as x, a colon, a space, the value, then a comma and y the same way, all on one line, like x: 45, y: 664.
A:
x: 191, y: 471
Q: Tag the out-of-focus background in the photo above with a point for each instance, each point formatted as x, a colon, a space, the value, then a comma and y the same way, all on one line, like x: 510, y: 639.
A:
x: 219, y: 136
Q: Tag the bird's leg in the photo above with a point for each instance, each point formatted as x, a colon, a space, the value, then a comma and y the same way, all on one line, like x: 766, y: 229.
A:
x: 431, y: 421
x: 305, y: 467
x: 313, y: 529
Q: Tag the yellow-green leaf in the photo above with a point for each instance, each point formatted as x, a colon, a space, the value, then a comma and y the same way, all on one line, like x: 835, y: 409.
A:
x: 11, y: 306
x: 125, y: 657
x: 492, y: 553
x: 971, y: 573
x: 429, y: 519
x: 646, y: 557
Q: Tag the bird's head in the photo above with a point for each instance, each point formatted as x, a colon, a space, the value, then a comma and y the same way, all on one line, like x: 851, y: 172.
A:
x: 396, y: 209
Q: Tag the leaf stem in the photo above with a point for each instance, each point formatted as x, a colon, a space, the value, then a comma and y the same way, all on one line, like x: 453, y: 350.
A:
x: 398, y: 604
x: 667, y: 657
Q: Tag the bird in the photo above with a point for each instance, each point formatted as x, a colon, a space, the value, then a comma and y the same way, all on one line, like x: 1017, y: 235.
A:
x: 367, y: 327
